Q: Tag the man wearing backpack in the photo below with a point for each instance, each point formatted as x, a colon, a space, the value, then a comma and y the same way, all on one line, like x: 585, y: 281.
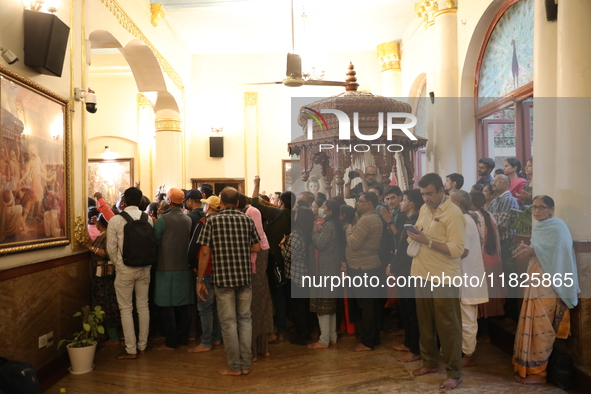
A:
x: 132, y: 248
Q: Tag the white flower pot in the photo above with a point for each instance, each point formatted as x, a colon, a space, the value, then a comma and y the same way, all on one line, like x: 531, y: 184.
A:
x: 81, y: 359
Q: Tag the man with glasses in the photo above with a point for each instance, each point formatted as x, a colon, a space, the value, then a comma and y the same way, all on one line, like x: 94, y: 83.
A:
x: 502, y: 208
x: 368, y: 180
x: 363, y: 242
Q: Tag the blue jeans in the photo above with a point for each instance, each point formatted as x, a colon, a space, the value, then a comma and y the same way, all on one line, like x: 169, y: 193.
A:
x: 210, y: 323
x: 236, y: 321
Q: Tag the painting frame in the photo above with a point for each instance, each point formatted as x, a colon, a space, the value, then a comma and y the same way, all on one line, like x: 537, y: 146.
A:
x: 287, y: 174
x: 35, y: 162
x: 121, y: 170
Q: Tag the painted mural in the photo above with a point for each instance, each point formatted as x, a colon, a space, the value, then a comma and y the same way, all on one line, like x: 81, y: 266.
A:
x: 508, y: 61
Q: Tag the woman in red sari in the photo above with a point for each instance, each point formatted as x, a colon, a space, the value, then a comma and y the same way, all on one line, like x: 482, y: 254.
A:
x: 512, y: 169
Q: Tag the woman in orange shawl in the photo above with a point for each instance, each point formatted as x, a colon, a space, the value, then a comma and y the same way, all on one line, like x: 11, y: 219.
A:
x: 545, y: 312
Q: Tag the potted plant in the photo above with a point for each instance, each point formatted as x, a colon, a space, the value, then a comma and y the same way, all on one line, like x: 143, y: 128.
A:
x: 81, y: 349
x: 523, y: 226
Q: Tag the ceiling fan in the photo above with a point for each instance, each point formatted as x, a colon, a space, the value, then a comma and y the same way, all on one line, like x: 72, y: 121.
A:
x: 293, y: 75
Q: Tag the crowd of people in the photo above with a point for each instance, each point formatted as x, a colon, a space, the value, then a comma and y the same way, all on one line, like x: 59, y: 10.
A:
x: 239, y: 265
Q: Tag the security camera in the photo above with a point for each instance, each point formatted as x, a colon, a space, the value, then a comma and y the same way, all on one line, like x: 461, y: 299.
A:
x: 8, y: 55
x: 91, y: 101
x: 88, y: 96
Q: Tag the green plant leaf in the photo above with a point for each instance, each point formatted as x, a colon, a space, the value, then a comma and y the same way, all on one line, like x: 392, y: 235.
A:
x: 86, y: 326
x: 101, y: 329
x: 77, y: 314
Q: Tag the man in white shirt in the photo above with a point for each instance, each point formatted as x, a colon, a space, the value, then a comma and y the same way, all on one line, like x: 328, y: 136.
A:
x: 129, y: 279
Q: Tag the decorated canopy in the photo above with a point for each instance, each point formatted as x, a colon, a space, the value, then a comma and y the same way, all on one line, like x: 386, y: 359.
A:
x: 364, y: 111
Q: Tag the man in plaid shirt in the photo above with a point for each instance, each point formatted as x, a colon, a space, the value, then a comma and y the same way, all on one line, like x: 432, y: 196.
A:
x: 229, y: 237
x: 501, y: 207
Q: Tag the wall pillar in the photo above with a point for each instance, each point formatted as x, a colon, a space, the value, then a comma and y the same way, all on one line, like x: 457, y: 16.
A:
x: 446, y: 123
x: 389, y: 58
x: 573, y: 185
x: 168, y: 169
x: 545, y: 58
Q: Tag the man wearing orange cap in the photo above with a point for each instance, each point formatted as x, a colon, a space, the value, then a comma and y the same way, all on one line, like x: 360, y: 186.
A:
x: 173, y: 290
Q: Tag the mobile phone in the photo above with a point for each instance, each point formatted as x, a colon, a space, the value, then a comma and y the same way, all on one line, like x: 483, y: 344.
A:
x: 410, y: 228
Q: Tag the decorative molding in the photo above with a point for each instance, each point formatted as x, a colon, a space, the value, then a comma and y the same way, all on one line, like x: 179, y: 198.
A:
x: 425, y: 10
x: 142, y: 101
x: 169, y: 124
x: 34, y: 85
x: 251, y: 99
x: 28, y: 269
x: 127, y: 23
x: 445, y: 11
x: 157, y: 13
x: 389, y: 55
x: 83, y: 122
x: 80, y: 230
x: 428, y: 10
x: 582, y: 246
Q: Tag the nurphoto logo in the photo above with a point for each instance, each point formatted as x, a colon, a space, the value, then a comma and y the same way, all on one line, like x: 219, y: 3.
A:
x: 345, y: 127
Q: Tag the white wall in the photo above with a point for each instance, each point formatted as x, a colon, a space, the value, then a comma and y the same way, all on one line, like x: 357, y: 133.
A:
x: 216, y: 99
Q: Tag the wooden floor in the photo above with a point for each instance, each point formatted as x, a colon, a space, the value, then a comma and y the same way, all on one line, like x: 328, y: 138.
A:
x: 289, y: 369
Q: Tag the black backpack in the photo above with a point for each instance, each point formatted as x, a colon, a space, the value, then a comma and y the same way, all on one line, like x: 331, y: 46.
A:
x: 139, y: 242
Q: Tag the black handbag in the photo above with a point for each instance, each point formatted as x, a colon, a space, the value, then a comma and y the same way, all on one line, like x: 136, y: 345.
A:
x: 18, y: 378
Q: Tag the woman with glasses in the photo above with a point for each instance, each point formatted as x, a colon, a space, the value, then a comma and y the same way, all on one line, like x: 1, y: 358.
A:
x: 327, y: 238
x: 550, y: 291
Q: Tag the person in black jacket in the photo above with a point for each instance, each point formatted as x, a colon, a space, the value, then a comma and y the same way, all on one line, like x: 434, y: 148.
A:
x: 400, y: 267
x: 277, y: 224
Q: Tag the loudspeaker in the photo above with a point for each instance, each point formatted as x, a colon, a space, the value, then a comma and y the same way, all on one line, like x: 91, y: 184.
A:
x: 551, y: 10
x: 46, y: 41
x: 216, y: 146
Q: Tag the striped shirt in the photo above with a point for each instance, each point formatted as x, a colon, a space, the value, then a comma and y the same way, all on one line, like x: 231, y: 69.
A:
x: 501, y: 207
x: 230, y: 234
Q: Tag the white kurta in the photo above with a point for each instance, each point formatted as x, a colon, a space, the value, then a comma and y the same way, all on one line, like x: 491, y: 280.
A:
x: 473, y: 267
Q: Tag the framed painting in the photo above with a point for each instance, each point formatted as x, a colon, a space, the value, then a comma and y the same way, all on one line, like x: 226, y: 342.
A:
x: 291, y: 171
x: 110, y: 178
x: 34, y: 170
x: 292, y: 178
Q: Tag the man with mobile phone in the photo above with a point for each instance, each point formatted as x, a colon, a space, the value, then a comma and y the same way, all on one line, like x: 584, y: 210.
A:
x: 441, y: 226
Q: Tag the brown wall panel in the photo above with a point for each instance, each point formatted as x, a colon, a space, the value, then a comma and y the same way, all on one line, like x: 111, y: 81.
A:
x: 42, y: 299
